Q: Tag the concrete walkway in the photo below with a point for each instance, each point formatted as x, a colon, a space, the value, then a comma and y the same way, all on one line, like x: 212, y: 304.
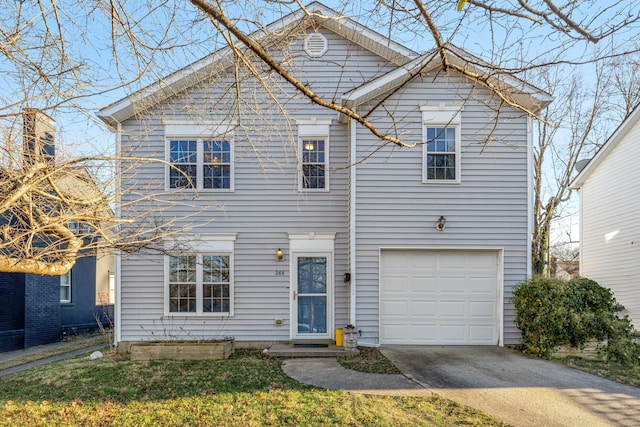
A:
x: 328, y: 373
x: 31, y: 357
x: 504, y: 383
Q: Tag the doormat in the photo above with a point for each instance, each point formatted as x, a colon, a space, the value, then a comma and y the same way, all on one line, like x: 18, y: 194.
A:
x: 311, y: 345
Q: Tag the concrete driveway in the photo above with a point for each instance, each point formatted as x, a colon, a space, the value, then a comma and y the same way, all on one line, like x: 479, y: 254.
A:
x: 517, y: 389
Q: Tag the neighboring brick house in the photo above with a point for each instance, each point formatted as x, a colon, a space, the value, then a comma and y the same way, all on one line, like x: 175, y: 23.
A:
x: 36, y: 309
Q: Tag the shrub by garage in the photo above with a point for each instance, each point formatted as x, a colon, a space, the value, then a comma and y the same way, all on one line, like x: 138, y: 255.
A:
x: 552, y: 312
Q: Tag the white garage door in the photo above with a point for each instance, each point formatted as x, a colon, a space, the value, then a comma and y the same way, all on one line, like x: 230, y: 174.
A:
x: 439, y: 297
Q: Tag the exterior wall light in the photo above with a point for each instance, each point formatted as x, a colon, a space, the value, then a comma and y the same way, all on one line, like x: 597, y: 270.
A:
x: 279, y: 254
x: 441, y: 222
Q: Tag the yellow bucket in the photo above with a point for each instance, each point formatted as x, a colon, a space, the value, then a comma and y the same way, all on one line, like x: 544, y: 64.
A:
x: 339, y: 337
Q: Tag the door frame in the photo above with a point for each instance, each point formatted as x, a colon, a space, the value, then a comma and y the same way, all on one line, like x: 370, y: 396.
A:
x: 311, y: 244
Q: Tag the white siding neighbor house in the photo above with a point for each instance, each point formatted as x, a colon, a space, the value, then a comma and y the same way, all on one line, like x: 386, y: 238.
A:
x: 299, y: 220
x: 609, y: 205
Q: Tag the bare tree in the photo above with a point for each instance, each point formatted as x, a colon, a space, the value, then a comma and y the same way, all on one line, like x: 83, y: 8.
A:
x: 61, y: 56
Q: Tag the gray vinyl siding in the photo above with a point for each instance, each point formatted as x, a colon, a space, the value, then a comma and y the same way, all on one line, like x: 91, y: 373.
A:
x: 488, y: 209
x: 264, y: 206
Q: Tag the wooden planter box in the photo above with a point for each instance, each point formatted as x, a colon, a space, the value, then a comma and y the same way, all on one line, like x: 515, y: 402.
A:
x: 181, y: 350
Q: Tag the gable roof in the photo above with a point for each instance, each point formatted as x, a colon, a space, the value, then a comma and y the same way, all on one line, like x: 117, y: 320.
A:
x: 518, y: 91
x: 194, y: 73
x: 618, y: 135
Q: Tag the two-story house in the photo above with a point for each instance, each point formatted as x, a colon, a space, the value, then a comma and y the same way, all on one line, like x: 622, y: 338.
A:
x: 298, y: 220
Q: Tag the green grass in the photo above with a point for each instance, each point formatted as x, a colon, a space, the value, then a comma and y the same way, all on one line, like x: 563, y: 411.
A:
x: 369, y: 360
x: 247, y: 390
x: 625, y: 374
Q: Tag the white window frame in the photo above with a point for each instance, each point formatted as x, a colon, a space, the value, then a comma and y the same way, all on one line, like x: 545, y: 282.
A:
x: 442, y: 116
x: 200, y: 245
x: 214, y: 131
x: 68, y: 284
x: 313, y: 129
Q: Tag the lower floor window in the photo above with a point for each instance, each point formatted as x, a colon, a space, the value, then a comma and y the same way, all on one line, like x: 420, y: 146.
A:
x: 200, y: 284
x: 65, y: 287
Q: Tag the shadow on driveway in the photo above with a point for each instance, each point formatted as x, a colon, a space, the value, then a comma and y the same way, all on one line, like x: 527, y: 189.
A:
x: 518, y: 389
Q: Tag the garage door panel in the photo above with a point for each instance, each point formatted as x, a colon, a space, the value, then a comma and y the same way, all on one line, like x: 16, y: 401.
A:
x: 395, y: 308
x: 451, y: 296
x: 480, y: 334
x: 397, y: 333
x: 453, y: 284
x: 424, y: 332
x: 452, y: 333
x: 423, y: 283
x: 423, y: 309
x: 422, y: 261
x: 482, y: 260
x: 482, y: 309
x: 452, y: 309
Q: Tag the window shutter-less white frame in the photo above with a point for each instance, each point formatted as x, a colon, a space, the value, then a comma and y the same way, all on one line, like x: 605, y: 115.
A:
x: 445, y: 116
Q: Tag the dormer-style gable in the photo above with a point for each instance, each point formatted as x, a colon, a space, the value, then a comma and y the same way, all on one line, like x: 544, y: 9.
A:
x: 315, y: 15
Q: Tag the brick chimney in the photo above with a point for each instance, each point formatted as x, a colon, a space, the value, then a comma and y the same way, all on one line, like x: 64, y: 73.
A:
x: 38, y: 134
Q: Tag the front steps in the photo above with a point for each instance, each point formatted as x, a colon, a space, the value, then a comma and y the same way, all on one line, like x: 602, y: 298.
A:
x: 289, y: 351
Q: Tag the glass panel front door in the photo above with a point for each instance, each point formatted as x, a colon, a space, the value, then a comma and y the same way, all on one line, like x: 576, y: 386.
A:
x: 312, y: 295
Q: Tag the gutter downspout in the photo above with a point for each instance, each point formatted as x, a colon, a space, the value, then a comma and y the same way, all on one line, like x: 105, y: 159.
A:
x: 352, y: 221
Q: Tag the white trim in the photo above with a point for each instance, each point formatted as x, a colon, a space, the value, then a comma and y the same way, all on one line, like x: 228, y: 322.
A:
x: 441, y: 113
x: 353, y: 191
x: 312, y: 50
x: 458, y: 153
x: 69, y: 285
x: 530, y: 96
x: 201, y: 242
x: 215, y: 245
x: 312, y: 240
x: 530, y: 185
x: 311, y: 244
x: 499, y: 278
x: 200, y: 161
x: 314, y: 128
x: 117, y: 306
x: 205, y: 129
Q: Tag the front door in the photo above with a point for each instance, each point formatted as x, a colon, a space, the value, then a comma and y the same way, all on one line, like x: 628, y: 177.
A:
x: 311, y: 297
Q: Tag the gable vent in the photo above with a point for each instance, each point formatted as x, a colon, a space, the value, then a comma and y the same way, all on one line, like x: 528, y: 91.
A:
x: 316, y: 45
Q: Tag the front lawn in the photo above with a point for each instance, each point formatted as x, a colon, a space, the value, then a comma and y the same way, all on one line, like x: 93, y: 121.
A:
x: 247, y: 390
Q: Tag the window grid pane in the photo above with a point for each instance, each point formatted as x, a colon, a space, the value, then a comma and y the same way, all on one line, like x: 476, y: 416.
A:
x: 313, y: 163
x: 182, y: 286
x: 441, y: 153
x: 183, y: 158
x: 215, y: 276
x: 217, y: 164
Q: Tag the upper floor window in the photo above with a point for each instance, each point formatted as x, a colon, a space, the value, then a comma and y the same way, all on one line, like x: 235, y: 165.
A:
x: 203, y: 164
x: 65, y: 287
x: 440, y: 153
x: 441, y: 136
x: 313, y: 163
x: 313, y: 140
